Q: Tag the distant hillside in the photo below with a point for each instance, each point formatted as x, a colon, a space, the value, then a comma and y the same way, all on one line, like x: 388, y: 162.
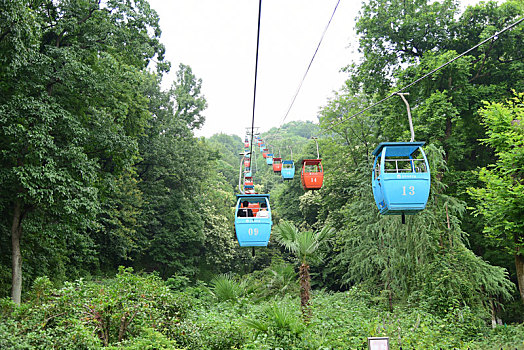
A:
x: 292, y: 140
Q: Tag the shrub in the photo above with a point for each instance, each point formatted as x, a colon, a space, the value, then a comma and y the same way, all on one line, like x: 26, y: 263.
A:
x: 88, y: 315
x: 219, y: 328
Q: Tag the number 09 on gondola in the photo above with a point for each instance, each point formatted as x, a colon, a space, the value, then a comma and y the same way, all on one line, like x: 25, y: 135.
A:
x: 253, y: 220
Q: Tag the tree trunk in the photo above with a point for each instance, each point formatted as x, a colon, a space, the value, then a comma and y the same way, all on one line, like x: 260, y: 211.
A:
x: 305, y: 287
x: 16, y: 235
x: 519, y: 264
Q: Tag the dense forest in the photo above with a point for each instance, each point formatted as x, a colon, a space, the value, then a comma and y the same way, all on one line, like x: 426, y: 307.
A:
x: 117, y: 223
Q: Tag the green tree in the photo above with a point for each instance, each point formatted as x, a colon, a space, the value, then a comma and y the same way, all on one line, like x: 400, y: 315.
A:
x: 305, y: 245
x: 501, y: 201
x: 397, y: 262
x: 228, y: 147
x: 188, y: 99
x: 172, y: 169
x: 401, y: 41
x: 70, y: 111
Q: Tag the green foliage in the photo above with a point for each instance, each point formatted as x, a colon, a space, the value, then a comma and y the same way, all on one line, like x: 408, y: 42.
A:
x: 72, y: 104
x: 228, y: 146
x: 177, y: 282
x: 151, y: 339
x: 303, y: 244
x: 277, y: 280
x: 226, y: 288
x: 280, y: 326
x: 461, y: 278
x: 189, y: 102
x: 213, y: 328
x: 402, y: 41
x: 425, y: 260
x: 501, y: 201
x: 93, y: 314
x: 105, y: 170
x: 81, y: 314
x: 283, y: 279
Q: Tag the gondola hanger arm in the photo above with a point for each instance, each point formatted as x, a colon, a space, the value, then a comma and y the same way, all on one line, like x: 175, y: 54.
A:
x: 318, y: 154
x: 401, y: 94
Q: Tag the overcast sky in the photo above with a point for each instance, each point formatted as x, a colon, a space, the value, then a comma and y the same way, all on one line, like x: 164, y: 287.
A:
x: 217, y: 38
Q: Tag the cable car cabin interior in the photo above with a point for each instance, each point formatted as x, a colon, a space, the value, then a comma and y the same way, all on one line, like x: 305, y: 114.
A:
x: 253, y: 220
x: 277, y: 165
x: 312, y: 175
x: 401, y: 178
x: 269, y: 159
x: 288, y: 169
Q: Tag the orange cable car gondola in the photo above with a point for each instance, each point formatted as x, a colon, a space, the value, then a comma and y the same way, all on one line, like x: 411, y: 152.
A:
x: 312, y: 174
x: 277, y: 165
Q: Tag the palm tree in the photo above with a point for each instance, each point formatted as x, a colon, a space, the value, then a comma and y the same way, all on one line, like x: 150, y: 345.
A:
x: 304, y: 245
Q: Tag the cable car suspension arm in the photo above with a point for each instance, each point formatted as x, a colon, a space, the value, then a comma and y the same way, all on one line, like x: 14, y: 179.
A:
x: 401, y: 94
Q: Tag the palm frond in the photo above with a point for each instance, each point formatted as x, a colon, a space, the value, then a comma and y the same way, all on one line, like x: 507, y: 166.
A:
x: 282, y: 317
x: 285, y: 234
x: 303, y: 244
x: 256, y: 324
x: 224, y: 287
x: 307, y: 244
x: 325, y: 234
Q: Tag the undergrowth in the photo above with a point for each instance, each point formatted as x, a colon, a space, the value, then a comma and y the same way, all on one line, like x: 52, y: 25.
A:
x: 140, y: 311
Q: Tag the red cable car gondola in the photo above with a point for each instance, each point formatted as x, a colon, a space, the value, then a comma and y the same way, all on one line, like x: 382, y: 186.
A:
x: 312, y: 174
x: 277, y: 165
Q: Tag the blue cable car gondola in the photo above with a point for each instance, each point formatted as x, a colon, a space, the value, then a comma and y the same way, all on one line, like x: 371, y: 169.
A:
x: 400, y: 179
x: 288, y: 169
x: 253, y: 231
x: 269, y: 159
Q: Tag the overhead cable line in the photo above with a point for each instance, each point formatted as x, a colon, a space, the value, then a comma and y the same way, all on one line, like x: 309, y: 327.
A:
x: 312, y: 58
x: 494, y: 36
x: 255, y: 85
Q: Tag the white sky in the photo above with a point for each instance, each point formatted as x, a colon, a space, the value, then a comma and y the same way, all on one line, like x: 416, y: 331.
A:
x: 217, y: 38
